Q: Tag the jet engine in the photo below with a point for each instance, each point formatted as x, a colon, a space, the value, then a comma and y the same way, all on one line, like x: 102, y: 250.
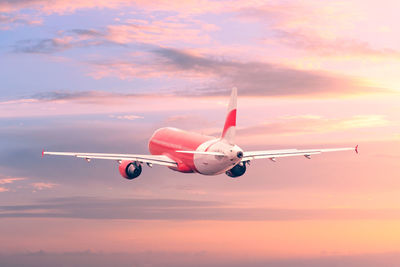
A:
x: 237, y: 171
x: 130, y: 169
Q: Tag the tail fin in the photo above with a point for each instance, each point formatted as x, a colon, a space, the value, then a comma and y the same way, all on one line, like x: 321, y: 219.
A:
x: 228, y: 133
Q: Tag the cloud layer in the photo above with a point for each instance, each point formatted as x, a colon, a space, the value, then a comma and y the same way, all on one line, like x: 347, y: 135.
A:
x: 175, y: 209
x: 194, y: 259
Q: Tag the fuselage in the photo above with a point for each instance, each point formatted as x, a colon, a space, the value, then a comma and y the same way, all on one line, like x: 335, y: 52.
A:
x: 167, y: 141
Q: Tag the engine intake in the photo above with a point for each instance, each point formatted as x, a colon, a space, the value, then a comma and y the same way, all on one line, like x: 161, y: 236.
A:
x: 237, y: 171
x: 130, y: 169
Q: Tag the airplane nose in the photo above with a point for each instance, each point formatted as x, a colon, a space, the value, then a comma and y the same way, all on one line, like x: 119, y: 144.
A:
x: 239, y: 154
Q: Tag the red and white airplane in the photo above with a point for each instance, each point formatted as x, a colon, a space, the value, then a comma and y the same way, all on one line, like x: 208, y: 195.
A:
x: 190, y: 152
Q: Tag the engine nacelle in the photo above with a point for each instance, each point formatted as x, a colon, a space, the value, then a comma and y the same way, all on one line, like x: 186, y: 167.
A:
x: 237, y: 171
x: 130, y: 169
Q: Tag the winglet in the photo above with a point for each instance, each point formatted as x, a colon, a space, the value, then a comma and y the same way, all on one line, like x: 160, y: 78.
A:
x: 42, y: 153
x: 356, y: 149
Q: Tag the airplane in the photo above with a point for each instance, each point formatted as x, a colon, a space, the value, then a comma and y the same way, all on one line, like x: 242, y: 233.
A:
x: 189, y: 152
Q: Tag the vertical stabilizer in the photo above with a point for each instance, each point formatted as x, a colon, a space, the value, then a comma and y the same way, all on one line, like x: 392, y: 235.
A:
x: 228, y: 133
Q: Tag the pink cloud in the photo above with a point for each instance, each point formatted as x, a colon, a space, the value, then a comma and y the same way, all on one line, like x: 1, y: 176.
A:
x: 8, y: 21
x: 42, y: 186
x: 125, y: 69
x: 166, y: 32
x: 163, y: 32
x: 295, y: 125
x: 10, y: 180
x: 64, y: 40
x: 323, y: 28
x: 3, y: 189
x: 58, y: 6
x: 336, y: 46
x: 66, y: 6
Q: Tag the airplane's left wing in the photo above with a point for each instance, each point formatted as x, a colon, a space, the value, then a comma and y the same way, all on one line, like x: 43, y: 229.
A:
x: 272, y: 154
x: 150, y: 159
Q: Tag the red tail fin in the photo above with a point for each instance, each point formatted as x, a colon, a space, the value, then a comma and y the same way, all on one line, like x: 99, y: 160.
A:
x: 228, y: 133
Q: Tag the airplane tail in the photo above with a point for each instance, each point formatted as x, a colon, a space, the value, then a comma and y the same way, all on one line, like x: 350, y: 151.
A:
x: 229, y: 131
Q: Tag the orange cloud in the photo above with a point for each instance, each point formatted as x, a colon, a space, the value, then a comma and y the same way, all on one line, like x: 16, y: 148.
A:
x: 3, y: 189
x: 10, y: 180
x: 4, y: 181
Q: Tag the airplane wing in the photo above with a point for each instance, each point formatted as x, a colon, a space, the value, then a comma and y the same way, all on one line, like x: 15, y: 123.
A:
x: 150, y: 159
x: 272, y: 154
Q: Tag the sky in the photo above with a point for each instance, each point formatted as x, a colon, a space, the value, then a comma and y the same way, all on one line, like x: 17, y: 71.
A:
x: 101, y: 76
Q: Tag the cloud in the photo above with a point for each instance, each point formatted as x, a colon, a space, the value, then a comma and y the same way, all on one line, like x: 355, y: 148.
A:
x: 85, y: 32
x: 53, y: 97
x: 57, y: 6
x: 160, y: 32
x: 40, y: 186
x: 165, y: 31
x: 73, y: 95
x: 300, y: 25
x: 317, y: 28
x: 126, y: 117
x: 215, y: 75
x: 49, y: 104
x: 136, y: 66
x: 330, y: 46
x: 43, y: 46
x: 293, y: 125
x: 92, y: 97
x: 10, y: 180
x: 75, y: 38
x: 193, y: 259
x: 68, y: 6
x: 259, y: 78
x: 176, y: 209
x: 8, y: 21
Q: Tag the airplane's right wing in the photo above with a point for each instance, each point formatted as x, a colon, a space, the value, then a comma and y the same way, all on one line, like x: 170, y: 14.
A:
x: 272, y: 154
x: 151, y: 159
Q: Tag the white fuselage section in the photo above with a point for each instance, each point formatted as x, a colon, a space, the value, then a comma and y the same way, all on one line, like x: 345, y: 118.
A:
x: 212, y: 165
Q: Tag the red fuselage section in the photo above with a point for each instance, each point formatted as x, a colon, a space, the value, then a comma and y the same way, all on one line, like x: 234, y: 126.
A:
x: 166, y: 141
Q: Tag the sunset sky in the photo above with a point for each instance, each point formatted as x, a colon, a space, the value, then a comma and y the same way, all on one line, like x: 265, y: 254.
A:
x: 102, y: 75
